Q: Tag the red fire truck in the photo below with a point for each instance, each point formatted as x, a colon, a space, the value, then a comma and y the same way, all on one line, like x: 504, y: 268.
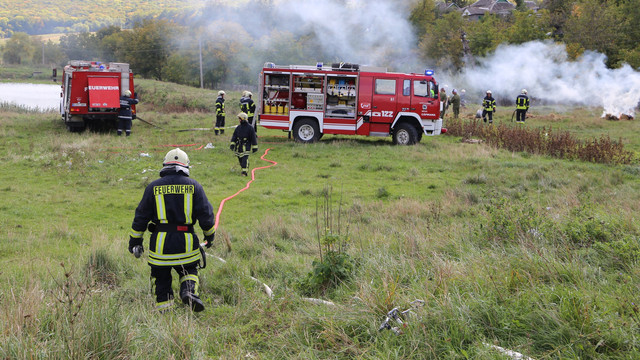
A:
x: 309, y: 101
x: 91, y: 93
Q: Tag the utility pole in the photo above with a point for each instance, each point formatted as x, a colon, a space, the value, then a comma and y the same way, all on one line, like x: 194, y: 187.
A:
x: 201, y: 79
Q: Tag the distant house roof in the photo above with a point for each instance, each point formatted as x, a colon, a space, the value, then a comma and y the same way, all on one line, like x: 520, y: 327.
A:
x: 531, y: 5
x: 443, y: 7
x: 499, y: 7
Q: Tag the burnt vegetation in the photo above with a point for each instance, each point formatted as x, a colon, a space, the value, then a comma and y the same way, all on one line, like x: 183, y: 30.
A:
x: 542, y: 141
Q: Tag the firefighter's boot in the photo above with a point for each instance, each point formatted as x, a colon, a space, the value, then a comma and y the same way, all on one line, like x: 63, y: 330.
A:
x: 216, y: 131
x: 189, y: 292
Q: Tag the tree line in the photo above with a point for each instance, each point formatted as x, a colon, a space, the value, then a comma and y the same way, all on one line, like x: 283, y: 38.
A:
x: 171, y: 50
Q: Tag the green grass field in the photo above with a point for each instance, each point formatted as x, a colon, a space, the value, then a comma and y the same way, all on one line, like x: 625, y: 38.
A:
x: 533, y: 254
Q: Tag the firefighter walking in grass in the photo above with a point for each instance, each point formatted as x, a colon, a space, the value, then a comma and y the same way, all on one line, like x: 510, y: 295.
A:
x: 220, y: 115
x: 243, y: 142
x: 248, y: 107
x: 169, y: 208
x: 522, y: 105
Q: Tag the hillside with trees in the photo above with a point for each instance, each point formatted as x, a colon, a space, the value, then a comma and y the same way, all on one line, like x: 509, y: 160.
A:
x: 37, y: 17
x: 164, y: 40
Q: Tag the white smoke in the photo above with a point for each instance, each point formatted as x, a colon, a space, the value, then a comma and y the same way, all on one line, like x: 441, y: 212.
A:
x: 358, y: 31
x: 544, y: 69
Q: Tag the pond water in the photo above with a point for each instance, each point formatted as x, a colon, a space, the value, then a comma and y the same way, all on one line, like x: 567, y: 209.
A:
x: 42, y: 97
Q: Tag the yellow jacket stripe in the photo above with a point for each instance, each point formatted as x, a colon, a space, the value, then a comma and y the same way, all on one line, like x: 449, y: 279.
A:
x: 188, y: 199
x: 193, y: 257
x: 160, y: 208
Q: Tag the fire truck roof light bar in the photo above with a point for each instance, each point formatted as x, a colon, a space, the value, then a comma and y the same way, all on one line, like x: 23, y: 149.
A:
x: 429, y: 72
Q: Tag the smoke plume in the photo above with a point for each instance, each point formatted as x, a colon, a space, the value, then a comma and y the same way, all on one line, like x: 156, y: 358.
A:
x: 544, y: 69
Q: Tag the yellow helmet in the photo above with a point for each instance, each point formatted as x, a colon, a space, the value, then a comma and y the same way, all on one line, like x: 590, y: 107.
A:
x: 176, y: 157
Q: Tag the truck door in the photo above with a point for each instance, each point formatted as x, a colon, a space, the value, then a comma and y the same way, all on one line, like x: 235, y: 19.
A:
x: 404, y: 96
x: 383, y: 104
x: 425, y: 100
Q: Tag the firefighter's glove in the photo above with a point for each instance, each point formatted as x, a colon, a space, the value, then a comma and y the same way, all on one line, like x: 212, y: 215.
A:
x: 133, y: 242
x: 254, y: 149
x: 209, y: 240
x: 232, y: 147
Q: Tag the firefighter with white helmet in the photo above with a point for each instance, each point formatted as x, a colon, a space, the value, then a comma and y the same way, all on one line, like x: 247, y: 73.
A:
x: 522, y: 105
x: 249, y: 107
x: 220, y: 115
x: 488, y: 107
x: 125, y: 115
x: 169, y: 208
x: 243, y: 142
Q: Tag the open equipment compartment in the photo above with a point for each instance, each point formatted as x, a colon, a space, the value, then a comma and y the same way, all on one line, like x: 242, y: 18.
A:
x: 341, y: 96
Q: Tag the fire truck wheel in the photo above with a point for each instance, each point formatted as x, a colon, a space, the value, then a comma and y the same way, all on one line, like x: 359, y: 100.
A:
x: 306, y: 131
x: 405, y: 134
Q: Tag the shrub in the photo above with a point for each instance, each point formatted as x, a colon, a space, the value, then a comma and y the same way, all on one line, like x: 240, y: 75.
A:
x: 543, y: 141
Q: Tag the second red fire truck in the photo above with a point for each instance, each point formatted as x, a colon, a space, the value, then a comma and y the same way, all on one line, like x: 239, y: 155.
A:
x: 91, y: 93
x: 348, y: 99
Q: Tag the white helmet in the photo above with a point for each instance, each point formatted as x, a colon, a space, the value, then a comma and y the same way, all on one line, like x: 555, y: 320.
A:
x: 524, y: 91
x: 488, y: 91
x: 176, y: 157
x: 248, y: 93
x: 127, y: 93
x: 242, y: 116
x: 221, y: 93
x: 244, y: 93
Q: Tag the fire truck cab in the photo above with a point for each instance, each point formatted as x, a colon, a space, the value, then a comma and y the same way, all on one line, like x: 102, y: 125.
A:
x: 91, y: 92
x: 348, y: 99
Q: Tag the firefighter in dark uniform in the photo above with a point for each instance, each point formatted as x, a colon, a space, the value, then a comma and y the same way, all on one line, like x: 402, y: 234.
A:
x: 249, y: 107
x: 522, y: 105
x: 220, y: 115
x: 243, y: 99
x: 243, y: 142
x: 488, y: 107
x: 169, y: 208
x: 124, y: 114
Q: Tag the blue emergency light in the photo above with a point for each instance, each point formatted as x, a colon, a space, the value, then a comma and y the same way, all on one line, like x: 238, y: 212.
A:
x: 428, y: 72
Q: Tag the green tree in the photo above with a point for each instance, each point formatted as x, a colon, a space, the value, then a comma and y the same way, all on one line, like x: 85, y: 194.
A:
x: 422, y: 16
x: 559, y: 12
x: 528, y: 26
x: 594, y: 25
x: 486, y: 34
x: 147, y: 47
x: 19, y: 49
x: 443, y: 42
x: 81, y: 46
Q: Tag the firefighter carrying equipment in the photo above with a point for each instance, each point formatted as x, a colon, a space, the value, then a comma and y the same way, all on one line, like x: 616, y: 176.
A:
x: 171, y: 202
x: 243, y: 142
